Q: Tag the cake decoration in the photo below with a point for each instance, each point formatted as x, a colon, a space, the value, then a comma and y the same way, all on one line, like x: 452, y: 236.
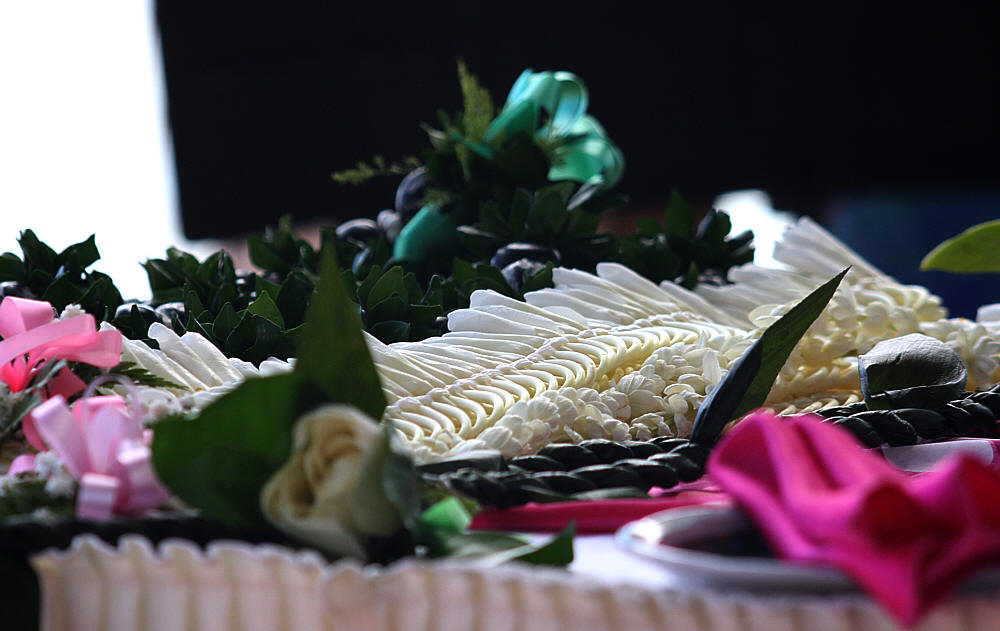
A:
x: 480, y: 344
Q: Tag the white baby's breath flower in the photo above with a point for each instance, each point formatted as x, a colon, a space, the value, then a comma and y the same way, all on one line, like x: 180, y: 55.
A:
x: 72, y: 310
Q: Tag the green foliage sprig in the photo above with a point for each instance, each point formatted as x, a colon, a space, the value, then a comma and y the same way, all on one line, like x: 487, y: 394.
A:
x: 61, y: 278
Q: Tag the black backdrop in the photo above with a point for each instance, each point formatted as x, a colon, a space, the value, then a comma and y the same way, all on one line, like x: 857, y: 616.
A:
x: 266, y: 100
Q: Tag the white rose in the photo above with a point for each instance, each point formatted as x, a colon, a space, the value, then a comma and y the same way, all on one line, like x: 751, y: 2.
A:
x: 330, y: 491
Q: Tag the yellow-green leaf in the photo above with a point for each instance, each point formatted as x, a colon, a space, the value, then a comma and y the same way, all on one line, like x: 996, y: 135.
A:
x: 975, y: 251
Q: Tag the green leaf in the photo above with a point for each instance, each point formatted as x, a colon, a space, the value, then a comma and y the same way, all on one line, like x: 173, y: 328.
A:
x: 192, y: 303
x: 267, y: 336
x: 333, y: 354
x: 219, y: 461
x: 912, y: 371
x: 390, y: 284
x: 80, y: 255
x: 449, y: 516
x: 11, y: 267
x: 391, y: 331
x: 293, y: 298
x: 262, y: 285
x: 494, y: 548
x: 36, y: 253
x: 976, y: 250
x: 678, y: 221
x: 62, y: 292
x: 101, y: 298
x: 264, y: 307
x: 748, y: 382
x: 225, y: 322
x: 142, y: 377
x: 264, y: 256
x: 400, y: 481
x: 392, y: 308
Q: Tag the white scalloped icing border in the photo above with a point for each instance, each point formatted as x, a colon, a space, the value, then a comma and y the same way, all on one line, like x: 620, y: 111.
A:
x: 234, y: 586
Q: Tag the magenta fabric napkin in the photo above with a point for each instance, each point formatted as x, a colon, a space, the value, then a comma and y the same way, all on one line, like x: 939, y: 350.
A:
x: 819, y: 497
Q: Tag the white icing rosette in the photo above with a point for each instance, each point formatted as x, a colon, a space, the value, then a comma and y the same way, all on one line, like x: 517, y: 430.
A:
x: 330, y: 492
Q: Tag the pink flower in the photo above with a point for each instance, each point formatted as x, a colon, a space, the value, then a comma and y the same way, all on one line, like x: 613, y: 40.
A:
x: 32, y: 336
x: 106, y: 449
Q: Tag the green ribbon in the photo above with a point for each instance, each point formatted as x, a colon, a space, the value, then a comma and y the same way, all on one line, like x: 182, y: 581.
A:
x: 429, y: 234
x: 583, y: 152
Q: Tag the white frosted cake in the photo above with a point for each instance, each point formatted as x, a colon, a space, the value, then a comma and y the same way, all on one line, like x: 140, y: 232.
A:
x: 610, y: 355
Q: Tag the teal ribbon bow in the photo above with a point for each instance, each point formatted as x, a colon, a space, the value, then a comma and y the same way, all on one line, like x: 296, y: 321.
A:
x: 583, y: 152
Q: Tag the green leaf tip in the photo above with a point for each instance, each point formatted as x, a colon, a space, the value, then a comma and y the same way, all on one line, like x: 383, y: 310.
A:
x: 749, y: 381
x: 333, y: 353
x: 974, y: 251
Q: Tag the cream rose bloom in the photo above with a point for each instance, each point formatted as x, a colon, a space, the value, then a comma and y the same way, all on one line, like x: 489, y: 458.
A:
x: 330, y: 493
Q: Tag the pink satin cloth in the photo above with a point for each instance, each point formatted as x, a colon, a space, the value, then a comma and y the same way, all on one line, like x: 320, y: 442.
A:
x: 597, y: 516
x: 32, y: 335
x: 105, y: 448
x: 819, y: 497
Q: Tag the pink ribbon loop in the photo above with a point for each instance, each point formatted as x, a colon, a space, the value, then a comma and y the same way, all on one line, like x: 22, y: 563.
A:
x: 97, y: 496
x: 32, y: 335
x: 104, y: 447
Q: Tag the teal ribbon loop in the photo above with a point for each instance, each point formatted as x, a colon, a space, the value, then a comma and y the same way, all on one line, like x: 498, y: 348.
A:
x: 430, y: 234
x: 584, y: 153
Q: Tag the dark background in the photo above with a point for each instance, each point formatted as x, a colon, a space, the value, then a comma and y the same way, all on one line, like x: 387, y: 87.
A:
x: 807, y: 102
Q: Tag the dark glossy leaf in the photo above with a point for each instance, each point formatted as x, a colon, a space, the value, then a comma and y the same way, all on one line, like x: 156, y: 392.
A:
x: 678, y: 221
x: 241, y: 337
x: 37, y: 254
x: 80, y: 255
x: 267, y: 335
x: 62, y: 292
x: 11, y: 267
x: 265, y: 307
x: 539, y: 280
x: 424, y: 315
x: 262, y: 285
x: 219, y: 461
x: 334, y: 355
x: 101, y: 298
x: 748, y: 382
x: 389, y: 284
x: 225, y: 322
x: 392, y: 308
x: 912, y: 371
x: 390, y: 331
x: 264, y: 256
x: 293, y: 298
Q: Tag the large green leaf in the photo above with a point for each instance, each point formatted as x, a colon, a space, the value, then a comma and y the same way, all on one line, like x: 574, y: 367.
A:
x: 748, y: 382
x: 974, y: 251
x: 333, y: 354
x: 219, y: 461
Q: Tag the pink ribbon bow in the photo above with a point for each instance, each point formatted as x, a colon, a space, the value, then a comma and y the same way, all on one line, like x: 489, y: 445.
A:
x: 32, y: 335
x: 105, y: 449
x: 819, y: 497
